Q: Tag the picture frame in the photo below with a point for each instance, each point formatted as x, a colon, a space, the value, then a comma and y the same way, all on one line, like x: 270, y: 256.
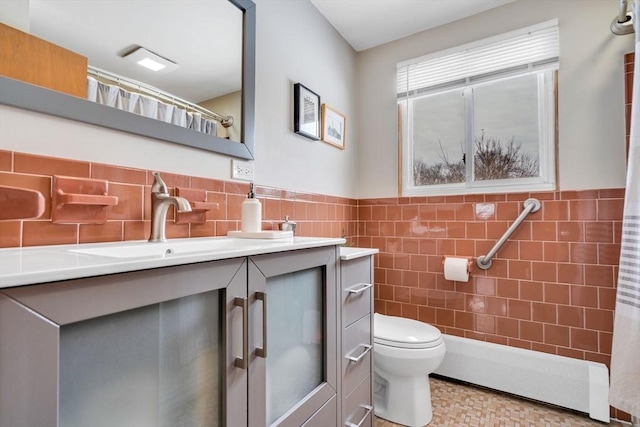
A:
x: 334, y: 125
x: 306, y: 112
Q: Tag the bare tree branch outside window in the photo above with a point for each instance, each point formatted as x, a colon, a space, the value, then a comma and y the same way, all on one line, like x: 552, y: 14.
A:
x: 443, y: 172
x: 492, y: 160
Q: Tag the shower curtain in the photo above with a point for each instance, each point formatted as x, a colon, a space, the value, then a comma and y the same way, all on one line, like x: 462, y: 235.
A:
x: 115, y: 96
x: 625, y: 355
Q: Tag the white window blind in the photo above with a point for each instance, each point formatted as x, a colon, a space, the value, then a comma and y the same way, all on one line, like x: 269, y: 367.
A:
x: 532, y: 47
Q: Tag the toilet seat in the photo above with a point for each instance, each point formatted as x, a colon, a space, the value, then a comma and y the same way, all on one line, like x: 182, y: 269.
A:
x: 405, y: 333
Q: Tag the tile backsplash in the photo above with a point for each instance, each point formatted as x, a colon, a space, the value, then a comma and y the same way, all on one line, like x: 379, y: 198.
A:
x: 316, y: 215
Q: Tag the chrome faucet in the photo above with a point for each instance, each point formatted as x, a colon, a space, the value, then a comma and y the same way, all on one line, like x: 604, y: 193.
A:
x: 160, y: 202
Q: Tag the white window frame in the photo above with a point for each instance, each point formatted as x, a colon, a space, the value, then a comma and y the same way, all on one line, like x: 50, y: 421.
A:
x: 546, y: 128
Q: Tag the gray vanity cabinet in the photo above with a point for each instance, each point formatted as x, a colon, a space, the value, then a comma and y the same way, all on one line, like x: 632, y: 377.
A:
x: 251, y: 341
x: 357, y: 341
x: 293, y: 378
x: 148, y: 348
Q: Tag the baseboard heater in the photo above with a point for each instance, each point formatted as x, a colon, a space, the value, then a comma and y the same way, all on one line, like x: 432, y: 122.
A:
x: 570, y: 383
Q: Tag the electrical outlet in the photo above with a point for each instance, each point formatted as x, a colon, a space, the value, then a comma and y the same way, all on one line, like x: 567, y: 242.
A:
x: 242, y: 170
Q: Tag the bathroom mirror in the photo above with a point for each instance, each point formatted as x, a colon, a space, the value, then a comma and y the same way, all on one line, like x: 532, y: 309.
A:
x: 240, y: 143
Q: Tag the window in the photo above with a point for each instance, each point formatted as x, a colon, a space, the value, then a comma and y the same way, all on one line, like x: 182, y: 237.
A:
x: 480, y: 118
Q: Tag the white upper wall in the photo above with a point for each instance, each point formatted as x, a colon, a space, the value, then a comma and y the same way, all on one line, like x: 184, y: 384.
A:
x: 590, y: 101
x: 294, y: 44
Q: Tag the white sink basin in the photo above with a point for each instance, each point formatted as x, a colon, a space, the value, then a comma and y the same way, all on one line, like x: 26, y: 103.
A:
x: 167, y: 249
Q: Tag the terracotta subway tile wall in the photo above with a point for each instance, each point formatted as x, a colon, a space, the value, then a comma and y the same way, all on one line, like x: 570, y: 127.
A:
x: 316, y: 215
x: 551, y: 287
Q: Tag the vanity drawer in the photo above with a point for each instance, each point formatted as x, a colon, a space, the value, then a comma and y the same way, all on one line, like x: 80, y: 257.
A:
x: 357, y: 347
x: 358, y: 409
x: 357, y: 288
x: 325, y: 416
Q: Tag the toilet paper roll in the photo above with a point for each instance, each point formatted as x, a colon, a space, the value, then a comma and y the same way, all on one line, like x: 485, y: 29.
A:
x: 456, y: 269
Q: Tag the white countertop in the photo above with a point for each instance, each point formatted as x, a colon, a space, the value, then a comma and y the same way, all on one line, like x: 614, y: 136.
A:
x: 41, y: 264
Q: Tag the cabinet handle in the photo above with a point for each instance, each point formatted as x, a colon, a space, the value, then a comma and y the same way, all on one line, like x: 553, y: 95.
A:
x: 368, y: 409
x: 359, y: 288
x: 243, y: 303
x: 367, y: 349
x: 262, y: 351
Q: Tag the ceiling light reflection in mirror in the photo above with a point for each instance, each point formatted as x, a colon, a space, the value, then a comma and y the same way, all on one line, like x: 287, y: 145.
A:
x: 203, y: 37
x: 150, y: 60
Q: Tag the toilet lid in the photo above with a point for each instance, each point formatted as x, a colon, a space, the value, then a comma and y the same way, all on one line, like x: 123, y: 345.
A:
x: 406, y: 333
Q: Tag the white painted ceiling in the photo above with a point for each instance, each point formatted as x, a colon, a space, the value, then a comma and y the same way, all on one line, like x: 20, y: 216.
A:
x: 369, y: 23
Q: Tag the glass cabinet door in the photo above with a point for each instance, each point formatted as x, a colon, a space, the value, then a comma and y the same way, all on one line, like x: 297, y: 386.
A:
x: 158, y: 365
x: 150, y: 348
x: 295, y: 329
x: 293, y: 338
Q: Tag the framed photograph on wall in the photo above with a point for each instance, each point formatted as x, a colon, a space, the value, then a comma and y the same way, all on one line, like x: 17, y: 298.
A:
x: 306, y: 112
x: 333, y: 126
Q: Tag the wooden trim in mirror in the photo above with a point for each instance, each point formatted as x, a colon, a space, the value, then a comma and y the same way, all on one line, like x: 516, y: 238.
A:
x: 36, y: 61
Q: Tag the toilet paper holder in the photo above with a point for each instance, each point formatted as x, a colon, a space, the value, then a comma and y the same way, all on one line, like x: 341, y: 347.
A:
x: 469, y: 263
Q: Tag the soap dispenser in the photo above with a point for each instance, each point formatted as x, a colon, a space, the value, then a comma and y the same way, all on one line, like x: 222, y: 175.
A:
x: 251, y: 213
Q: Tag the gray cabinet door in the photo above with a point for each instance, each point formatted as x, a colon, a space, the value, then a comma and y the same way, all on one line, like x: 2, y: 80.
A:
x: 293, y: 336
x: 159, y: 345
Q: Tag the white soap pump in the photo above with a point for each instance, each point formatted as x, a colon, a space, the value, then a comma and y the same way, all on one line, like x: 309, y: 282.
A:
x: 251, y: 213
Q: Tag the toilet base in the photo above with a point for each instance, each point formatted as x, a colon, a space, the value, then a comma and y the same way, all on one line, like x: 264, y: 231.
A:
x: 404, y: 400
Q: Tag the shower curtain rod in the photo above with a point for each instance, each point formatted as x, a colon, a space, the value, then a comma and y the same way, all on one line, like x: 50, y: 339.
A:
x: 226, y: 121
x: 622, y: 16
x: 622, y: 24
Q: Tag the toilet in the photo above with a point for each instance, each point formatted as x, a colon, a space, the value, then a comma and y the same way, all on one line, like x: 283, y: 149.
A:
x: 405, y: 351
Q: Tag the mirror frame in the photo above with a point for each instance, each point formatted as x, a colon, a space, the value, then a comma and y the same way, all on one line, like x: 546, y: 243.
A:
x: 35, y: 98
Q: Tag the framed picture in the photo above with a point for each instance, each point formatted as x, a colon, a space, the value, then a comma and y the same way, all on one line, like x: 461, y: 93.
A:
x: 333, y: 126
x: 306, y: 112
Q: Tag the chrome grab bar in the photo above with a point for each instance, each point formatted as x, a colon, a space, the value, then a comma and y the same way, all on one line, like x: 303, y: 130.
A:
x: 530, y: 205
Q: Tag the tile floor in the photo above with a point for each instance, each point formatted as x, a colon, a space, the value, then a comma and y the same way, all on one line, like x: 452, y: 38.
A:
x: 460, y: 405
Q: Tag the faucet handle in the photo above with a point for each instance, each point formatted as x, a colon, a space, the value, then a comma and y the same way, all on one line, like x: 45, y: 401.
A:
x: 158, y: 184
